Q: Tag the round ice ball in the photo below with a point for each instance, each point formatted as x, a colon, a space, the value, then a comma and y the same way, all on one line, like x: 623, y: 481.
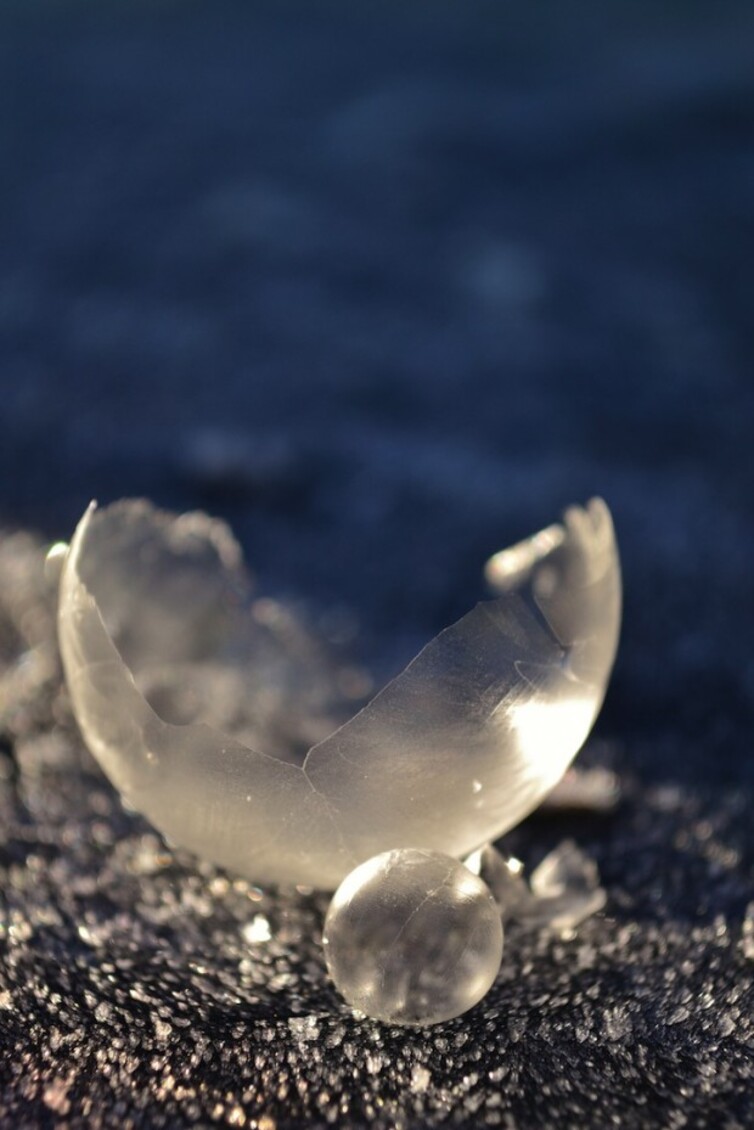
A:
x: 413, y: 937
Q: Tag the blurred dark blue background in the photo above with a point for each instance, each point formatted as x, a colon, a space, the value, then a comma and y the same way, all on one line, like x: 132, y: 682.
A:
x: 387, y: 287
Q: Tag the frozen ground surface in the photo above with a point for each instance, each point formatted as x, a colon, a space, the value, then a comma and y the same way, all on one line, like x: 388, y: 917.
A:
x: 385, y: 290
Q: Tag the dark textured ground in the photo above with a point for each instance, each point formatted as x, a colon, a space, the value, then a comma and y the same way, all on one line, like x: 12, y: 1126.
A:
x: 385, y: 289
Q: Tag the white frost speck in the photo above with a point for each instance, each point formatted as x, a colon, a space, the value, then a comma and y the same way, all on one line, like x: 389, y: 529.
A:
x: 103, y: 1012
x: 617, y: 1023
x: 55, y: 1096
x: 258, y: 930
x: 305, y: 1027
x: 421, y: 1078
x: 375, y: 1063
x: 162, y: 1028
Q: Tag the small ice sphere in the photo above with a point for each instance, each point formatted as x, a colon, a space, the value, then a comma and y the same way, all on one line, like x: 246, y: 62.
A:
x: 413, y: 937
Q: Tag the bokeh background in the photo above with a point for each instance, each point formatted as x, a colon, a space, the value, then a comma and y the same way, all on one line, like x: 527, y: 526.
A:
x: 387, y: 286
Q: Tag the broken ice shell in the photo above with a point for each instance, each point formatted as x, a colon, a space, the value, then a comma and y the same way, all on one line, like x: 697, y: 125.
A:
x: 451, y: 754
x: 412, y: 937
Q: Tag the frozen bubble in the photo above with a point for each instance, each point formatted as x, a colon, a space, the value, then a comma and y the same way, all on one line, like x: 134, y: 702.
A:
x: 220, y: 720
x: 413, y: 937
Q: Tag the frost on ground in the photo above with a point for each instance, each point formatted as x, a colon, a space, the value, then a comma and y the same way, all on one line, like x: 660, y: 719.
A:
x: 384, y: 291
x: 128, y: 968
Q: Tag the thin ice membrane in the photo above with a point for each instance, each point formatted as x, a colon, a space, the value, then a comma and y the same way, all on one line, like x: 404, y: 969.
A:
x: 154, y: 627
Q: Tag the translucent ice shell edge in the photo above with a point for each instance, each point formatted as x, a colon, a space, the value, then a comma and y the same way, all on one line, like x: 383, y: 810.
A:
x: 456, y: 750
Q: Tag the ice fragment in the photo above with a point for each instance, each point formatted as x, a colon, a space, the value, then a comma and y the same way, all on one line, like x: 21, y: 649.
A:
x: 563, y: 890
